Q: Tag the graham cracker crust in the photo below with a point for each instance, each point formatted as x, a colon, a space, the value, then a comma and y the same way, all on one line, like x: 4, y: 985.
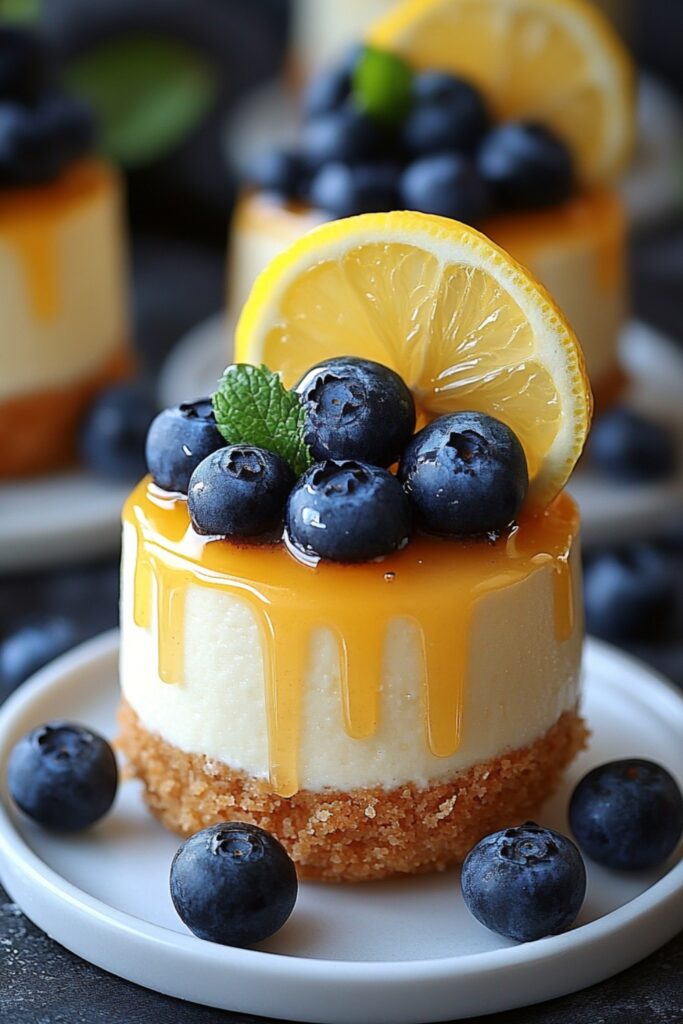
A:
x: 39, y: 431
x: 364, y: 834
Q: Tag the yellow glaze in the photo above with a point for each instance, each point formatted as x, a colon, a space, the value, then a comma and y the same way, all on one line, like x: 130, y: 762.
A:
x: 434, y: 583
x: 30, y: 219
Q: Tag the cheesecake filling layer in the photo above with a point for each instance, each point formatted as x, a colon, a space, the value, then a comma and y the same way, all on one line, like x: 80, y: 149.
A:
x: 409, y: 669
x: 62, y: 280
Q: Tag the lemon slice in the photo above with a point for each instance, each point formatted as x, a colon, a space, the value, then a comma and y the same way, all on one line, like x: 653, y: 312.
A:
x: 554, y: 61
x: 464, y: 324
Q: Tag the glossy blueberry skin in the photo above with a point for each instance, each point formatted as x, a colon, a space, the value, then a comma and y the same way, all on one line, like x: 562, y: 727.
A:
x: 34, y: 644
x: 526, y: 166
x: 356, y: 409
x: 446, y: 184
x: 346, y: 135
x: 279, y: 171
x: 628, y: 448
x: 630, y: 594
x: 347, y: 511
x: 465, y: 475
x: 447, y: 115
x: 25, y: 68
x: 63, y: 776
x: 344, y: 190
x: 178, y: 440
x: 239, y: 491
x: 627, y: 814
x: 327, y: 90
x: 113, y: 434
x: 524, y: 883
x: 233, y: 883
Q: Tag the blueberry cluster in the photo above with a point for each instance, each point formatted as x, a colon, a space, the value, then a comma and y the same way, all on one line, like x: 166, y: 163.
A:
x: 42, y: 129
x: 442, y: 155
x: 464, y: 474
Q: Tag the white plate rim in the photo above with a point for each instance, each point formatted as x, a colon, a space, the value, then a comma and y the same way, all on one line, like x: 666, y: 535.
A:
x: 640, y: 918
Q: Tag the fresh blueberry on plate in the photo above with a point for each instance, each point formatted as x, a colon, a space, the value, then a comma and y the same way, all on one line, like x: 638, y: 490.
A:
x: 629, y: 593
x: 239, y: 491
x: 279, y: 171
x: 629, y: 448
x: 26, y: 156
x: 447, y: 115
x: 526, y: 166
x: 63, y: 776
x: 233, y: 883
x: 343, y: 190
x: 347, y: 135
x: 356, y: 409
x: 113, y: 434
x: 32, y: 645
x: 328, y: 89
x: 524, y: 883
x: 178, y: 440
x: 347, y: 511
x: 446, y: 184
x: 627, y: 814
x: 465, y: 474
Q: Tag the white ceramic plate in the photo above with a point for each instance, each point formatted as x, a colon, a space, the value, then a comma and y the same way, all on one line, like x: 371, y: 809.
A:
x: 611, y: 512
x: 404, y: 952
x: 52, y: 520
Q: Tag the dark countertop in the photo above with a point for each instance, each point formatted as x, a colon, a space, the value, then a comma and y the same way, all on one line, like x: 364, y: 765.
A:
x: 43, y: 983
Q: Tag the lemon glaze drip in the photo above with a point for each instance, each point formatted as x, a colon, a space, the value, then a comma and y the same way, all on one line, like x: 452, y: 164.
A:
x: 432, y: 583
x: 30, y: 221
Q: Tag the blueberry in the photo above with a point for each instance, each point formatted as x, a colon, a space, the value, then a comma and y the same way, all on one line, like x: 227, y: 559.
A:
x: 233, y: 883
x: 356, y: 409
x: 239, y: 491
x: 31, y: 646
x: 447, y: 115
x: 178, y: 440
x: 64, y: 776
x: 465, y: 474
x: 67, y: 124
x: 25, y: 69
x: 327, y: 90
x: 526, y: 166
x: 627, y: 814
x: 627, y: 447
x: 348, y: 511
x: 347, y: 135
x: 37, y: 143
x: 629, y: 593
x: 343, y: 190
x: 113, y: 434
x: 446, y: 184
x: 279, y: 171
x: 524, y: 883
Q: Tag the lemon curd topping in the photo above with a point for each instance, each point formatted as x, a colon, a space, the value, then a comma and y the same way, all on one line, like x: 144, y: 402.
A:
x: 434, y: 584
x: 30, y: 220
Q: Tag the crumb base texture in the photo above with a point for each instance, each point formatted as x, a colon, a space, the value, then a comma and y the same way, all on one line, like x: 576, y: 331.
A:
x: 363, y: 834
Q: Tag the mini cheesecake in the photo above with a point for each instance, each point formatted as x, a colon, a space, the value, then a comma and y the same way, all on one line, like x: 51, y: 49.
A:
x: 378, y: 718
x: 65, y: 328
x: 576, y: 249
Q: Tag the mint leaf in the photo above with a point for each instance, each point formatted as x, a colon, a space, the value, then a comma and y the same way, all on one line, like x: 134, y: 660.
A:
x: 149, y: 92
x: 382, y: 84
x: 252, y: 406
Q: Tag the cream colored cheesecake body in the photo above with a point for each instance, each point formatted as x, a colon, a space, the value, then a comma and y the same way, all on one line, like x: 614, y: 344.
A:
x: 62, y: 281
x: 577, y: 251
x: 198, y: 676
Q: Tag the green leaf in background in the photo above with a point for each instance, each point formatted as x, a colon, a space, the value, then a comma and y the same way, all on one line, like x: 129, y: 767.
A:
x: 148, y: 92
x: 20, y: 11
x: 381, y: 85
x: 252, y: 406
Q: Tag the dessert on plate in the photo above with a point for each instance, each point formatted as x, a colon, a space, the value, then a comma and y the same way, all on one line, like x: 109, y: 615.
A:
x: 397, y: 673
x: 64, y: 333
x: 516, y: 117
